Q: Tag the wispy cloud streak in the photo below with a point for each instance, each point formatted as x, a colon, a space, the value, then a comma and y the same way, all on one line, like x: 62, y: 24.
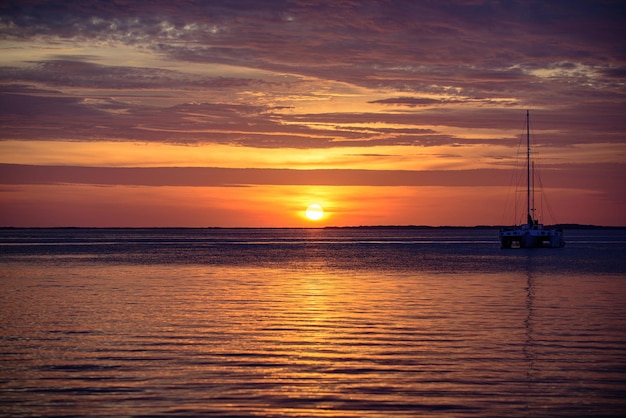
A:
x: 232, y: 177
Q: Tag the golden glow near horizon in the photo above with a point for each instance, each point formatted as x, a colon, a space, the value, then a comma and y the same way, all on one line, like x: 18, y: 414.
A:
x: 135, y: 154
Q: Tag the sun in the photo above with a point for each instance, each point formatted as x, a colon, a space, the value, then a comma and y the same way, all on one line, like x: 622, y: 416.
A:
x: 314, y: 212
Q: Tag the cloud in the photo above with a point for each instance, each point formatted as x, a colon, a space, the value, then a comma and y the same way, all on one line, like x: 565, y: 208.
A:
x: 45, y: 114
x: 588, y: 176
x: 76, y: 73
x: 431, y: 56
x: 427, y: 102
x: 291, y: 32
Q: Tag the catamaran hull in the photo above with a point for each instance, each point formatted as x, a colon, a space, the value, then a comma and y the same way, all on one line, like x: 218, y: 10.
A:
x: 517, y: 238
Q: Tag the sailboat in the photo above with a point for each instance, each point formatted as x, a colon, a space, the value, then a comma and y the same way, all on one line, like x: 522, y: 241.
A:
x: 532, y: 234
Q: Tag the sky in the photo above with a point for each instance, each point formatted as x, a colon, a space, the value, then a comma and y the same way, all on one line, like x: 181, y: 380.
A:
x: 243, y: 113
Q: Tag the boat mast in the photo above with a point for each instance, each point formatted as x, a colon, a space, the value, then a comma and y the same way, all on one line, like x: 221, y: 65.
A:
x: 530, y: 219
x: 533, y: 208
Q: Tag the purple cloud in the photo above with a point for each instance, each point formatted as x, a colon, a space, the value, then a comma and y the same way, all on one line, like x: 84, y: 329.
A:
x: 15, y: 174
x: 488, y: 56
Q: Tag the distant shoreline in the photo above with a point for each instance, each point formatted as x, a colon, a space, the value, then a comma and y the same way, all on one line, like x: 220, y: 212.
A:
x: 564, y: 226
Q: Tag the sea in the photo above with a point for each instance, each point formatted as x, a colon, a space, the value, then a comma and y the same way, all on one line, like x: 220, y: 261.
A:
x: 328, y: 322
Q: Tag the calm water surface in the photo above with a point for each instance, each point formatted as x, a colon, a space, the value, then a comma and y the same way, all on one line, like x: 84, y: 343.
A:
x: 308, y: 323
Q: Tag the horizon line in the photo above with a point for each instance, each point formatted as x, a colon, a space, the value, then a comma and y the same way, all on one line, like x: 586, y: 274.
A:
x: 568, y: 225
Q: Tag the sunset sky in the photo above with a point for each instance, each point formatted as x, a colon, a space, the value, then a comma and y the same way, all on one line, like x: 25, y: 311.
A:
x: 243, y: 113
